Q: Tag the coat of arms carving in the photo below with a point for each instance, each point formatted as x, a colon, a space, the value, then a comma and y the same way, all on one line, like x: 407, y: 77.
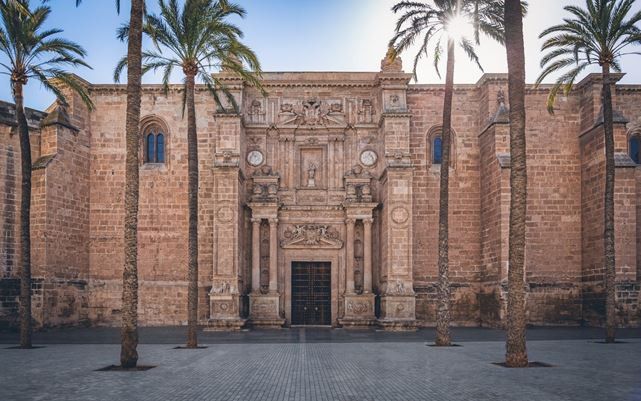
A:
x: 311, y: 236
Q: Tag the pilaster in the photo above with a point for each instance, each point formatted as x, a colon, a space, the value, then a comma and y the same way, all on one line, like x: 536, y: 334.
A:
x: 265, y: 301
x: 228, y: 280
x: 359, y: 304
x: 398, y: 301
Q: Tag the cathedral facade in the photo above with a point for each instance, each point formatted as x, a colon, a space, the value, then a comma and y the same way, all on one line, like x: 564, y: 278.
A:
x: 318, y: 204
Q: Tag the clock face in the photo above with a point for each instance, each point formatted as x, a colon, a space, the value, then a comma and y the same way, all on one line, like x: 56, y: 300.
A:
x: 255, y: 158
x: 369, y: 158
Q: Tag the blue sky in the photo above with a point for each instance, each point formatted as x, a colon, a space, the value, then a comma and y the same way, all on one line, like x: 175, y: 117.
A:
x: 297, y: 35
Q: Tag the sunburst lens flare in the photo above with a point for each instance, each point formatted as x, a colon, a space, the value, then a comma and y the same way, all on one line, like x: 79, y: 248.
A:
x: 459, y: 27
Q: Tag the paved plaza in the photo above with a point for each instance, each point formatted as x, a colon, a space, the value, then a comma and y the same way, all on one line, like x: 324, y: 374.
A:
x: 316, y: 364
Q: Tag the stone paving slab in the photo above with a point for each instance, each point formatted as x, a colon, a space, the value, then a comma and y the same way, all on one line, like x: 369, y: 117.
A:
x: 354, y: 371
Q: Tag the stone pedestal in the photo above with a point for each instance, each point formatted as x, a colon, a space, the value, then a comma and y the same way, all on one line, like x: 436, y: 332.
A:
x: 398, y: 313
x: 264, y: 310
x: 359, y: 311
x: 224, y: 313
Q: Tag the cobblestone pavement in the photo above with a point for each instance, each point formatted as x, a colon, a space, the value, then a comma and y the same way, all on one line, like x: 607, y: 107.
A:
x: 347, y: 371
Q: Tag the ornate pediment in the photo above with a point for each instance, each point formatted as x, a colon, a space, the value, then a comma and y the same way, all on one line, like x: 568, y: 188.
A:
x: 311, y: 236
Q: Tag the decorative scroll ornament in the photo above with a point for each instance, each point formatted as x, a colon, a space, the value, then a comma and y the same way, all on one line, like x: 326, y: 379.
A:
x: 311, y: 236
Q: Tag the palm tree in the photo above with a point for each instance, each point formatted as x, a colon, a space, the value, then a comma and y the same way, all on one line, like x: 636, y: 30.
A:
x: 196, y: 39
x: 129, y: 327
x: 33, y: 52
x: 433, y: 23
x: 516, y: 355
x: 600, y: 35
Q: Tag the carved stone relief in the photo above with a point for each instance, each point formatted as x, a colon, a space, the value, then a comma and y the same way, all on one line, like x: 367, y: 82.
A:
x: 256, y: 113
x: 265, y: 184
x: 225, y: 214
x: 397, y: 287
x: 311, y: 236
x: 312, y: 112
x: 358, y: 256
x: 366, y: 112
x: 358, y: 308
x: 358, y: 185
x: 223, y: 288
x: 264, y: 257
x: 400, y: 215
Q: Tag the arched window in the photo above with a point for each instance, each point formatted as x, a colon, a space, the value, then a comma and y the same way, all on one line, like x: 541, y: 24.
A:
x: 437, y: 150
x: 434, y: 147
x: 151, y: 140
x: 635, y: 144
x: 154, y: 145
x: 160, y: 148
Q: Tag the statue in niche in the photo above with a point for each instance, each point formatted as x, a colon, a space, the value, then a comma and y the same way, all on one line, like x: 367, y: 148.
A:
x: 366, y: 112
x: 311, y: 175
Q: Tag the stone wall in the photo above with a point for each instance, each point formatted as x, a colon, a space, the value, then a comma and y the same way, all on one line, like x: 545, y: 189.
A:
x: 78, y: 189
x: 162, y: 236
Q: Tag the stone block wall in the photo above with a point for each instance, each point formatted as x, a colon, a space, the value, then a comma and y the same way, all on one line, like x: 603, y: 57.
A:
x: 163, y: 218
x: 426, y: 104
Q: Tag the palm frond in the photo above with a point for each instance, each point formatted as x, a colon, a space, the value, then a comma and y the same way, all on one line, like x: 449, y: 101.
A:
x: 36, y: 52
x: 598, y: 34
x: 197, y: 34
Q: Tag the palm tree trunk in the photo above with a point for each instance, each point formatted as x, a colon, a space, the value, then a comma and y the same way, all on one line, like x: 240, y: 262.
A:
x: 129, y: 330
x: 192, y: 167
x: 516, y: 355
x: 25, y: 217
x: 608, y: 238
x: 443, y: 337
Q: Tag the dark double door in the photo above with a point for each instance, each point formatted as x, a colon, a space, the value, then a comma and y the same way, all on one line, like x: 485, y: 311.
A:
x: 311, y: 293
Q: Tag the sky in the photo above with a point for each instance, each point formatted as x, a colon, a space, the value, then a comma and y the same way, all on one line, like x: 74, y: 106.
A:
x: 298, y: 35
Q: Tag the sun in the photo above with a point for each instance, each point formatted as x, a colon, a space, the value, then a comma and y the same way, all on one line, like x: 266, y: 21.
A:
x: 459, y: 27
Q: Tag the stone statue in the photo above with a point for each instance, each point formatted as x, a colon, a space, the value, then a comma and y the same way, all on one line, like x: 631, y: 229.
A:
x: 311, y: 175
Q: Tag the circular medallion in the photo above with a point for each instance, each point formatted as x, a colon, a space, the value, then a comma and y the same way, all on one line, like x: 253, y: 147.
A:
x: 369, y: 158
x: 255, y: 158
x: 225, y: 214
x: 400, y: 215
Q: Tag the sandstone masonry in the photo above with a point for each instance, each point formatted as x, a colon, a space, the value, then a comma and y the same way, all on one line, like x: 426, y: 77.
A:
x: 319, y: 204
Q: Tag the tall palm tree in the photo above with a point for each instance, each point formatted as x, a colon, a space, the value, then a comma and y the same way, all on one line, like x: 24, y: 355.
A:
x: 599, y: 34
x: 33, y: 52
x: 129, y: 329
x: 516, y: 355
x: 433, y: 23
x: 196, y: 39
x: 129, y: 326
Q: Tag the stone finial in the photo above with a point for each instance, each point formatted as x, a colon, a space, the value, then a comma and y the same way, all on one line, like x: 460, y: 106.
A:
x: 502, y: 113
x: 391, y: 62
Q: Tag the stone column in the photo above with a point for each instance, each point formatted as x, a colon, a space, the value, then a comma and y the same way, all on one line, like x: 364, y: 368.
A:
x: 367, y: 256
x: 273, y: 255
x: 349, y: 262
x: 256, y: 255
